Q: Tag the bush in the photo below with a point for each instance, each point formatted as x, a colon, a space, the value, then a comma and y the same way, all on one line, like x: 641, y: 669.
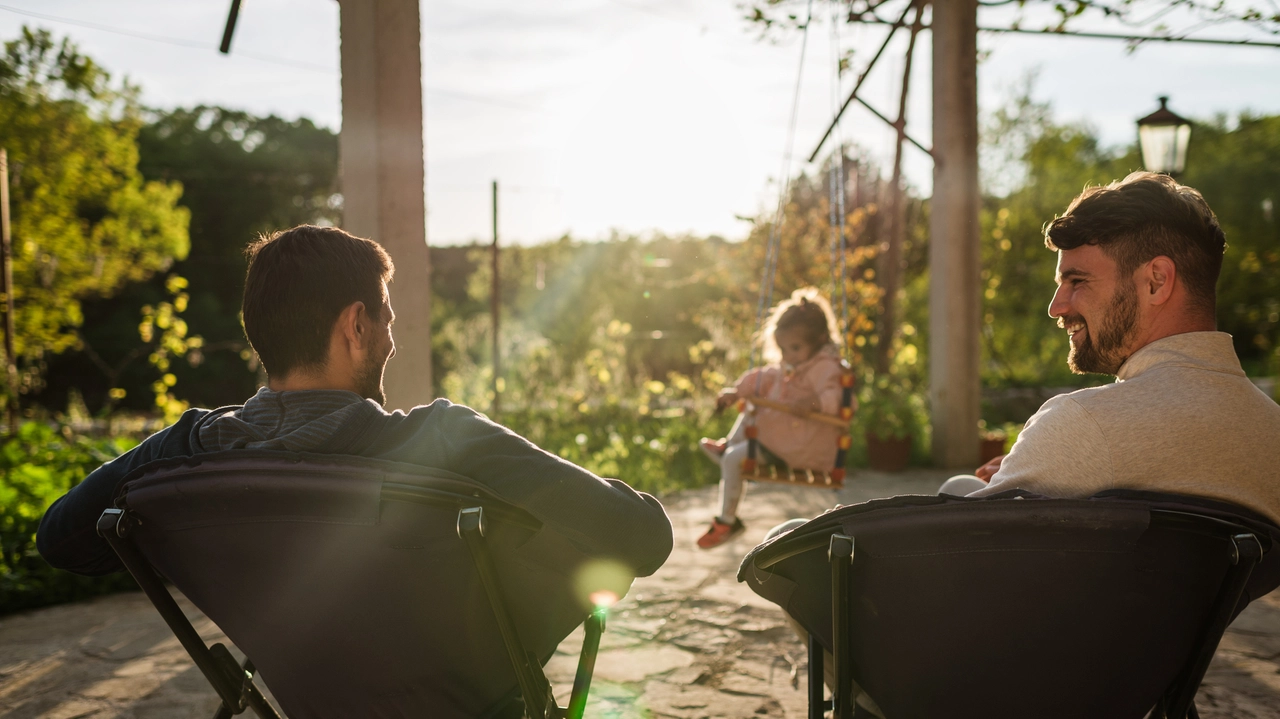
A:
x: 39, y: 465
x: 656, y: 454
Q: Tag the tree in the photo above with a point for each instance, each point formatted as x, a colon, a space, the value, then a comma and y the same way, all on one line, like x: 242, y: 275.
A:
x: 85, y: 223
x: 242, y: 176
x: 1238, y: 172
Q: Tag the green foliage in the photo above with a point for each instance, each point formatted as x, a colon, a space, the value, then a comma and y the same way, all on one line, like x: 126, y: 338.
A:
x: 1047, y: 165
x: 613, y: 352
x: 242, y: 176
x: 84, y: 222
x: 36, y: 467
x: 1238, y: 172
x: 164, y: 327
x: 599, y: 414
x: 890, y: 405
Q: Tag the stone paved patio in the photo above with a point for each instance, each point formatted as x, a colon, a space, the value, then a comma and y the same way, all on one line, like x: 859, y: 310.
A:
x: 688, y: 642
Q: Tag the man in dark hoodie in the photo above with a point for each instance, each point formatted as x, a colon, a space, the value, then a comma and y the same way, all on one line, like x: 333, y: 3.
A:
x: 317, y: 312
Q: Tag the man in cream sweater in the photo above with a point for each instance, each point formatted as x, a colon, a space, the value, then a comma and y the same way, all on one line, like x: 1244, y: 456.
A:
x: 1138, y: 263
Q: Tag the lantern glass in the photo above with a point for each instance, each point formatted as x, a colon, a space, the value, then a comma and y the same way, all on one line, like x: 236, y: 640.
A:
x: 1164, y: 136
x: 1164, y: 147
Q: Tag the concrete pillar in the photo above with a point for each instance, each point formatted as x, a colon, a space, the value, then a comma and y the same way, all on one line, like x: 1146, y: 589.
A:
x: 383, y: 173
x: 954, y: 258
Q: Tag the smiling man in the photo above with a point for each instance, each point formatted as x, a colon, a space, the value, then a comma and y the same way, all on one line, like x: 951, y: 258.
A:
x: 1138, y: 264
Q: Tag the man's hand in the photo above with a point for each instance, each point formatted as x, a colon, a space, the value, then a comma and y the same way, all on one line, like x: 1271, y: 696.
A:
x: 726, y: 398
x: 988, y: 470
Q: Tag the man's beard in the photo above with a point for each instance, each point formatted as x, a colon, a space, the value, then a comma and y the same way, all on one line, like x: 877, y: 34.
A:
x: 369, y: 380
x: 1105, y: 347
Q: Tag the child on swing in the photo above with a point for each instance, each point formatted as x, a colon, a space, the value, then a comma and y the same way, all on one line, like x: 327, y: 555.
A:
x: 803, y: 371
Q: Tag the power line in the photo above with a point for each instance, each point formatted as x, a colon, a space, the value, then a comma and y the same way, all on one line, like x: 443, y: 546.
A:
x: 1133, y: 38
x: 197, y: 45
x: 176, y: 42
x: 1105, y: 35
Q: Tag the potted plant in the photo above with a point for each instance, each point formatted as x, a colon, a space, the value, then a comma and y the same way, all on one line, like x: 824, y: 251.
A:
x: 992, y: 443
x: 889, y: 416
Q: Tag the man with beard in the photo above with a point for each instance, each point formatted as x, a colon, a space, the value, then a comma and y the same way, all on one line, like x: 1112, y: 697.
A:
x: 1138, y: 264
x: 317, y: 311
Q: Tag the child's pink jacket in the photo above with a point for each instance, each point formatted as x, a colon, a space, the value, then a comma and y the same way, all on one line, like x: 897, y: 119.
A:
x: 815, y: 385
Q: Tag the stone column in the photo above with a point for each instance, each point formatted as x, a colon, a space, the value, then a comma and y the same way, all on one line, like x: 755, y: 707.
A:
x: 383, y: 172
x: 954, y: 258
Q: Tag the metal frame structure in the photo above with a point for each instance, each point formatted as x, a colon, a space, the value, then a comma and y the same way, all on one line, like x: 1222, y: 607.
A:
x: 234, y: 682
x: 1178, y: 702
x: 231, y: 680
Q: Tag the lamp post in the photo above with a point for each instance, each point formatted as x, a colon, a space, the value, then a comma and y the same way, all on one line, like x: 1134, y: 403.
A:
x: 1164, y: 136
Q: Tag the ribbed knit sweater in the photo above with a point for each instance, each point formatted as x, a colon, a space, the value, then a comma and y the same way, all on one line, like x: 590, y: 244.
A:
x: 1182, y: 417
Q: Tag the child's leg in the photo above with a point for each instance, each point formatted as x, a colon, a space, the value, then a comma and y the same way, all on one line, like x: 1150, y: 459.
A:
x: 739, y: 432
x: 732, y: 487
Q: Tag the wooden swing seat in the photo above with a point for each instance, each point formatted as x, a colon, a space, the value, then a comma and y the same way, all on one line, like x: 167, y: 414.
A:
x: 815, y: 478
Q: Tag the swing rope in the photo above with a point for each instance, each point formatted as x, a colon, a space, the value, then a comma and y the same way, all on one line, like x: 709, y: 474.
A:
x: 775, y: 239
x: 775, y: 230
x: 836, y: 209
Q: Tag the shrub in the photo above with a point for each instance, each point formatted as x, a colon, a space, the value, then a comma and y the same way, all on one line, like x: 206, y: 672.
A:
x: 39, y: 465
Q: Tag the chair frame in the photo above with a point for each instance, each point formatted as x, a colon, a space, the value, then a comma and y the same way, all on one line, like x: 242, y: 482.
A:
x: 234, y: 682
x: 1178, y: 701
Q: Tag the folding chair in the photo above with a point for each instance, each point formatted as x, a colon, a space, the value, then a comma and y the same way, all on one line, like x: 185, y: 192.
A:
x: 357, y: 587
x: 1109, y: 608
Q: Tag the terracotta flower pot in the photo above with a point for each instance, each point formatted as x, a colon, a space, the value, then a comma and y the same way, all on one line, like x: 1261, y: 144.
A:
x: 888, y: 455
x: 989, y: 449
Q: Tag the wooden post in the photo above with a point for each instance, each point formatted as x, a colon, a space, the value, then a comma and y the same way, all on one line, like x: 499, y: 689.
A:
x: 495, y: 304
x: 891, y: 261
x: 383, y: 176
x: 954, y: 259
x: 6, y: 258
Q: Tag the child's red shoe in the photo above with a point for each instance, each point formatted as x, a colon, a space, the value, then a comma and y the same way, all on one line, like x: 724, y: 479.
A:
x: 713, y: 448
x: 719, y: 533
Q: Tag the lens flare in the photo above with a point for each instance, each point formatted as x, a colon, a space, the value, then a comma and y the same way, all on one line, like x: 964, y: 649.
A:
x: 603, y: 599
x: 601, y: 583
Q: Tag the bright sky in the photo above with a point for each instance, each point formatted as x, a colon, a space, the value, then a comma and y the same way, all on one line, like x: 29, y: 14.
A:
x: 634, y: 115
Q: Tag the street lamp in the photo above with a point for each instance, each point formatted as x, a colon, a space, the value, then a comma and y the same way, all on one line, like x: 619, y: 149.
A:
x: 1164, y: 137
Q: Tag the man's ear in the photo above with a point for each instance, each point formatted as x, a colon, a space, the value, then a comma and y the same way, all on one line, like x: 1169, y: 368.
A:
x: 1158, y: 277
x: 353, y: 325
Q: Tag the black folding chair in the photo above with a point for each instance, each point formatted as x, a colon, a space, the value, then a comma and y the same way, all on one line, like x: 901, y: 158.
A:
x: 357, y: 587
x: 1018, y: 606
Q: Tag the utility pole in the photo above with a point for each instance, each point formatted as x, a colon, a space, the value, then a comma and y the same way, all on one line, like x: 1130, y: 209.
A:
x: 6, y: 251
x: 495, y: 303
x: 954, y: 258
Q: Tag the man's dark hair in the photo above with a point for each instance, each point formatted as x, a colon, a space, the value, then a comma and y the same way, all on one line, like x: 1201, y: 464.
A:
x: 299, y: 281
x: 1142, y: 217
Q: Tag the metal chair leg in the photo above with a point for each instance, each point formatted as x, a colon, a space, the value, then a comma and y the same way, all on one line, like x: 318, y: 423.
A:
x: 534, y: 687
x: 817, y: 694
x: 594, y: 627
x: 114, y: 527
x: 1246, y: 552
x: 840, y: 554
x: 253, y: 697
x: 232, y: 682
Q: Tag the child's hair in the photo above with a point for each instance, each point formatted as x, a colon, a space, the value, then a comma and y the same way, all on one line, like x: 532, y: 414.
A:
x: 806, y: 310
